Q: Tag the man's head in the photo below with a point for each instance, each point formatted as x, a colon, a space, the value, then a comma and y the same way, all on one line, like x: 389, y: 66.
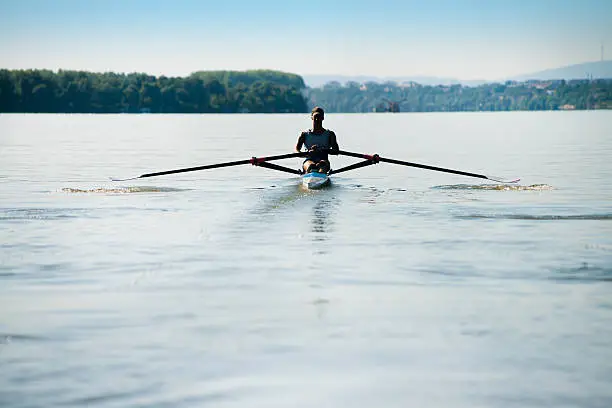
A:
x: 317, y: 114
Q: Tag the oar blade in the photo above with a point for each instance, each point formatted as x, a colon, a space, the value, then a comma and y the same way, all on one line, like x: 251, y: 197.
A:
x: 123, y: 179
x: 502, y: 180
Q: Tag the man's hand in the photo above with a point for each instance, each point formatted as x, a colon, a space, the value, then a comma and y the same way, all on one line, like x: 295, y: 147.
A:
x: 313, y: 148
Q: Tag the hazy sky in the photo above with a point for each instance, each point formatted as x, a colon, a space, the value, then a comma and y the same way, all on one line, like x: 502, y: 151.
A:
x: 478, y: 39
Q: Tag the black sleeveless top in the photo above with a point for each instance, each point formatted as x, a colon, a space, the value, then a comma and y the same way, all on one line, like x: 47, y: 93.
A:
x: 322, y: 140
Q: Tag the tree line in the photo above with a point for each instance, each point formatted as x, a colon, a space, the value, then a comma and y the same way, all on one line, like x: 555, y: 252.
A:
x: 258, y: 91
x: 508, y: 96
x: 267, y: 91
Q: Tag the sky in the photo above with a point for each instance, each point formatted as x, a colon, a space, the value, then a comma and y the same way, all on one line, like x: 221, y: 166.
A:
x: 464, y: 39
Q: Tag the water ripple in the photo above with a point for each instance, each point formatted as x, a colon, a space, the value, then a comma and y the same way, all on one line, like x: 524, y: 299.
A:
x: 105, y: 398
x: 11, y: 214
x: 8, y: 338
x: 584, y: 273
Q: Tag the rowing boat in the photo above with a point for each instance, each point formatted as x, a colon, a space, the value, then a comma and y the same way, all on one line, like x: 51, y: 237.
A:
x: 314, y: 180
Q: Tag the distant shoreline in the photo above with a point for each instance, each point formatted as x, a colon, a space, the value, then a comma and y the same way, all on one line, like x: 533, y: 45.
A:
x: 298, y: 114
x: 264, y: 91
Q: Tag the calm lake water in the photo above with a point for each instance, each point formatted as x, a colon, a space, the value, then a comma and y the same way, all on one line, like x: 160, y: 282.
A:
x: 394, y: 287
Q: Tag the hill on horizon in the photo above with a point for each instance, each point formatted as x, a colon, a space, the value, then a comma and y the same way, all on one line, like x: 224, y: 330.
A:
x: 596, y: 70
x: 586, y: 70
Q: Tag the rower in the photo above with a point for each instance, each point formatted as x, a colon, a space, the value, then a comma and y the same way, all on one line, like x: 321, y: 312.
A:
x: 317, y: 141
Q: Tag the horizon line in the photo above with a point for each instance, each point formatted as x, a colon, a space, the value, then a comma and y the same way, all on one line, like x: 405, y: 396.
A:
x: 302, y: 75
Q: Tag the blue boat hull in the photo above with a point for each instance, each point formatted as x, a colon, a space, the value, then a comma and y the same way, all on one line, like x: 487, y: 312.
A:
x: 315, y: 180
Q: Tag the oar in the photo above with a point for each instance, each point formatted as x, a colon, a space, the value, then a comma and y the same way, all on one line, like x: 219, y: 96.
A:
x: 376, y: 158
x: 254, y: 161
x: 352, y: 167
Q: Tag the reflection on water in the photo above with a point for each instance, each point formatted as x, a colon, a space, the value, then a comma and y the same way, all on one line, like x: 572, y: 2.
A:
x: 372, y: 195
x: 320, y: 206
x: 271, y: 200
x: 322, y: 216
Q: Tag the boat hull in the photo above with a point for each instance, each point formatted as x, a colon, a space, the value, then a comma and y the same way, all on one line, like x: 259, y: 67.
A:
x: 315, y: 180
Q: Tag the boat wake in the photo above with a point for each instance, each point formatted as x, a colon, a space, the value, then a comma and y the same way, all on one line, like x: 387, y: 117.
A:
x: 122, y: 190
x: 498, y: 187
x: 544, y: 217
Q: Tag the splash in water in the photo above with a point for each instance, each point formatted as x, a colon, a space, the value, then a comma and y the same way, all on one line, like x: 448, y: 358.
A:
x: 121, y: 190
x: 543, y: 217
x: 498, y: 187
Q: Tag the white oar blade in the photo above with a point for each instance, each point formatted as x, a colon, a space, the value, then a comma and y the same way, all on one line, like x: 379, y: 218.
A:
x: 501, y: 180
x: 124, y: 179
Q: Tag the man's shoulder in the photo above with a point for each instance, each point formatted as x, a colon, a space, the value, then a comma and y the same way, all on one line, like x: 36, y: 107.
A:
x: 325, y: 131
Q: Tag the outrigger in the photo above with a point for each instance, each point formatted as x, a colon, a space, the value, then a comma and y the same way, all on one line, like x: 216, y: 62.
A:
x: 313, y: 180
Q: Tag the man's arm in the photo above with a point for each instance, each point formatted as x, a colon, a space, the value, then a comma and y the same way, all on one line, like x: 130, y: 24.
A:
x: 300, y: 142
x: 333, y: 143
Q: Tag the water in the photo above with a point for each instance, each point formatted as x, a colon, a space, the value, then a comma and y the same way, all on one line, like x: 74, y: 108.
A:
x: 233, y: 287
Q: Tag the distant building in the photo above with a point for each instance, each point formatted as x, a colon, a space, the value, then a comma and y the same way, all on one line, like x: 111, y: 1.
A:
x: 542, y: 85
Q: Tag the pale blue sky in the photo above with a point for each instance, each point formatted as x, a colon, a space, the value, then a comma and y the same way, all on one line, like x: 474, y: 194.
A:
x: 464, y: 39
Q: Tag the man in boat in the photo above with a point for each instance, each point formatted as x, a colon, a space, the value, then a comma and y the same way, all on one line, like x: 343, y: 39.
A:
x: 317, y: 141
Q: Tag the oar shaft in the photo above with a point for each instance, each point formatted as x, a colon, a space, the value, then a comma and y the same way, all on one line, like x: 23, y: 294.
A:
x: 209, y: 166
x: 279, y: 168
x: 405, y: 163
x: 282, y: 156
x: 353, y: 166
x: 424, y: 166
x: 254, y: 161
